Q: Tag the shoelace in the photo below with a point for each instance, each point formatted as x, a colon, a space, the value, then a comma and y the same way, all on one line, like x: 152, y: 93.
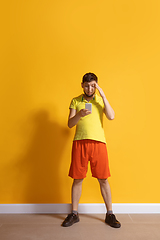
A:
x: 70, y: 215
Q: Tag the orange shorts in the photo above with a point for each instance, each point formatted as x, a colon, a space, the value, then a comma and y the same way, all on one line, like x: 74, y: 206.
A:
x: 93, y: 151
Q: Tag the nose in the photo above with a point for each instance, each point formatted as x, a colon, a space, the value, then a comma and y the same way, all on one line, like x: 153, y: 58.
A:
x: 89, y: 88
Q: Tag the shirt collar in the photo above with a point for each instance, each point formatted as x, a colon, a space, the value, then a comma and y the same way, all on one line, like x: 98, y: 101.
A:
x: 90, y: 100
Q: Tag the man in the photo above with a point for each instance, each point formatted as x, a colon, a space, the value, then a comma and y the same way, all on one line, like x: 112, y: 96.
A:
x: 89, y: 144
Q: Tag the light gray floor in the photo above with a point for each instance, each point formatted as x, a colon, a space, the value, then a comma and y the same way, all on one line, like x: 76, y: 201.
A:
x: 91, y: 226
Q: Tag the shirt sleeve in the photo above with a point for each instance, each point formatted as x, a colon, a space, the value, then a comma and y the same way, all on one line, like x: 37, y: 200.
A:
x: 73, y: 104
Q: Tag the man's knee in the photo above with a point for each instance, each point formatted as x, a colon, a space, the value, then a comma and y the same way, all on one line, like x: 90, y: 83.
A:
x: 77, y: 181
x: 103, y: 181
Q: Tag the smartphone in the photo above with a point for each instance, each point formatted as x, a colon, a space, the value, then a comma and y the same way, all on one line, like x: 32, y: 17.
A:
x: 88, y: 106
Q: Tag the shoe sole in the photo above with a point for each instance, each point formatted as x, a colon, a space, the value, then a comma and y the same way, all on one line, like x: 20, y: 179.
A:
x: 118, y: 226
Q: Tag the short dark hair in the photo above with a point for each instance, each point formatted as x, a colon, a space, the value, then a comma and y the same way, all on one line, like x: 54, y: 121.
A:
x: 89, y: 77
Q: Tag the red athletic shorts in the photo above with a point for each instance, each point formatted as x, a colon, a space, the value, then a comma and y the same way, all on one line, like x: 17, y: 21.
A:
x: 93, y: 151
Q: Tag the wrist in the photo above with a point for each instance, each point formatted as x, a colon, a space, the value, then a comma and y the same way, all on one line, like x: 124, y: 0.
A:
x: 102, y: 94
x: 79, y: 114
x: 100, y: 91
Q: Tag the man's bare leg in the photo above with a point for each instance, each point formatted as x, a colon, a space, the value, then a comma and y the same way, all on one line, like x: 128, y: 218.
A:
x: 73, y: 217
x: 76, y: 193
x: 106, y: 193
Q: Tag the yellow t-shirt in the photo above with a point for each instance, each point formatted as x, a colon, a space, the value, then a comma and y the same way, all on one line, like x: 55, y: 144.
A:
x: 90, y: 126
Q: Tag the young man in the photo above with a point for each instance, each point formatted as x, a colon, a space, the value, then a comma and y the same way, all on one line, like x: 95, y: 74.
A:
x: 89, y: 144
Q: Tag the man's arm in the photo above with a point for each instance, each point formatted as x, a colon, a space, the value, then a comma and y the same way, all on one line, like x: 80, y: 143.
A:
x: 109, y: 112
x: 74, y: 117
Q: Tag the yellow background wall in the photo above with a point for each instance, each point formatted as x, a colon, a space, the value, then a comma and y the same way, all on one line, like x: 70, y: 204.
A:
x: 46, y: 48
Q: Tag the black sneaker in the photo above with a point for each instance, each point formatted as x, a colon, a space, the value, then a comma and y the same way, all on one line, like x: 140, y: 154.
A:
x: 112, y: 221
x: 70, y: 220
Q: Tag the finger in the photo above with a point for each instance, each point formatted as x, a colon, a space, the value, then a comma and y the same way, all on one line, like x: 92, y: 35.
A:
x: 85, y: 110
x: 96, y: 85
x: 88, y: 112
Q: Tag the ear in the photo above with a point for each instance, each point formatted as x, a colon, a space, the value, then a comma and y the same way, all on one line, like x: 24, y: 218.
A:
x: 82, y: 84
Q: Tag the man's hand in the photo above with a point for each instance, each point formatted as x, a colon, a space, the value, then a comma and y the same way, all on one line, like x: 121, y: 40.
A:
x: 84, y: 112
x: 99, y: 89
x: 75, y: 117
x: 107, y: 108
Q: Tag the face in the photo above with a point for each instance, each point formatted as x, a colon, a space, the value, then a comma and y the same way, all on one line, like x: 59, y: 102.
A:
x: 89, y: 88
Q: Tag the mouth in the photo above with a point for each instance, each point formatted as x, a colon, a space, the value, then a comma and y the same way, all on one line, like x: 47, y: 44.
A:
x: 89, y: 94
